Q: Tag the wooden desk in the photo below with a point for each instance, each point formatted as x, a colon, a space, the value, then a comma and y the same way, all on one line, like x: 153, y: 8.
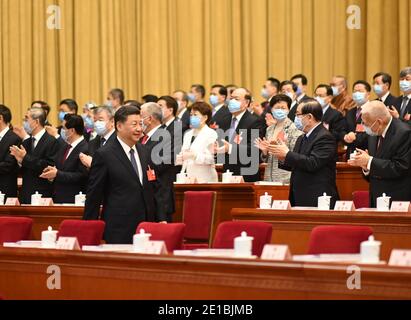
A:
x: 43, y: 216
x: 294, y: 227
x: 84, y: 275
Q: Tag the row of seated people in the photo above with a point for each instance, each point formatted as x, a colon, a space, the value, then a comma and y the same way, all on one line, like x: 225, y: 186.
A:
x: 323, y: 239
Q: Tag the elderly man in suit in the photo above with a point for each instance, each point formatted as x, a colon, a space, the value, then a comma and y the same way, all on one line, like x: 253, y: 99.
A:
x: 387, y: 160
x: 313, y: 161
x: 123, y: 181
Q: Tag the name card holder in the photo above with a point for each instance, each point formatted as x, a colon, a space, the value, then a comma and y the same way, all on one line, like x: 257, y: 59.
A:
x: 67, y: 243
x: 344, y: 206
x: 12, y: 202
x: 281, y: 205
x: 237, y: 179
x: 400, y: 258
x: 155, y: 247
x: 400, y: 206
x: 46, y: 202
x: 276, y: 252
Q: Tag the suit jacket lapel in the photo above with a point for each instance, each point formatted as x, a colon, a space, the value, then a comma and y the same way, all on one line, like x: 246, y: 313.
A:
x: 143, y: 162
x: 4, y: 143
x: 120, y: 154
x: 39, y: 144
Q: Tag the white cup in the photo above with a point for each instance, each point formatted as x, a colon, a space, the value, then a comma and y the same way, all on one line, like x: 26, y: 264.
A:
x: 2, y: 196
x: 243, y: 245
x: 140, y: 240
x: 80, y: 200
x: 324, y: 202
x: 227, y: 177
x: 370, y: 251
x: 353, y: 155
x: 35, y: 199
x: 49, y: 238
x: 181, y: 177
x: 383, y: 203
x: 266, y: 201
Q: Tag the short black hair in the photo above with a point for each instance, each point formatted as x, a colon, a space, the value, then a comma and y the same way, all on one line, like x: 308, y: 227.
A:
x: 71, y: 104
x: 364, y: 83
x: 221, y: 89
x: 289, y: 82
x: 75, y: 122
x: 5, y: 113
x: 171, y: 103
x: 200, y: 89
x: 303, y: 78
x: 118, y: 93
x: 386, y: 78
x: 274, y: 82
x: 327, y: 88
x: 281, y: 98
x: 123, y: 113
x: 150, y: 98
x: 312, y: 107
x: 44, y: 105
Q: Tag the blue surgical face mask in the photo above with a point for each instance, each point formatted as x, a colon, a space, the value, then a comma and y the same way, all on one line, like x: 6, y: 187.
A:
x: 321, y: 101
x: 299, y: 123
x: 265, y: 94
x: 280, y: 114
x: 100, y: 128
x: 369, y: 131
x: 63, y: 134
x: 88, y: 123
x: 109, y: 103
x: 62, y: 114
x: 336, y: 92
x: 359, y: 98
x: 405, y: 86
x: 195, y: 122
x: 378, y: 89
x: 27, y: 127
x: 299, y: 91
x: 214, y: 100
x: 234, y: 106
x: 192, y: 97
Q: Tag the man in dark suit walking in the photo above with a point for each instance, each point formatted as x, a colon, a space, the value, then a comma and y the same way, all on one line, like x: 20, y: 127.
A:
x: 240, y: 155
x: 157, y: 142
x: 387, y: 163
x: 35, y: 154
x: 313, y: 161
x: 122, y: 180
x: 8, y: 164
x: 69, y: 176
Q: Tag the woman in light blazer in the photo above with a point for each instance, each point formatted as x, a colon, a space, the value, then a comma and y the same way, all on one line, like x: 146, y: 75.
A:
x: 197, y: 153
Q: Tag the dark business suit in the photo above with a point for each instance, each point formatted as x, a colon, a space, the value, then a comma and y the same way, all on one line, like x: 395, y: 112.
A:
x: 8, y: 165
x: 352, y: 121
x: 390, y: 171
x: 335, y: 122
x: 221, y: 119
x: 313, y: 165
x: 407, y: 109
x: 185, y: 120
x: 390, y: 100
x: 114, y: 183
x: 245, y: 156
x: 175, y: 130
x: 34, y: 163
x: 71, y: 175
x: 158, y: 146
x: 95, y: 144
x: 293, y: 110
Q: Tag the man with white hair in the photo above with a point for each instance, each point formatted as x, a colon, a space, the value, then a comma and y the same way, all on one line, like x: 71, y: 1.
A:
x: 157, y: 142
x: 387, y: 162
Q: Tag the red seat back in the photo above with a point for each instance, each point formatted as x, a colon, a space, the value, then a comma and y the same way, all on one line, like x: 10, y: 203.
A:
x: 227, y: 231
x: 88, y: 232
x: 198, y: 213
x: 337, y: 239
x: 172, y: 233
x: 361, y: 199
x: 13, y: 229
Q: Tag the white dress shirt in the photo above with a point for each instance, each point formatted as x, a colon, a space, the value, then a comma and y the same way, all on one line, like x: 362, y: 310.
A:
x: 38, y: 136
x: 127, y: 149
x: 4, y: 132
x: 74, y: 145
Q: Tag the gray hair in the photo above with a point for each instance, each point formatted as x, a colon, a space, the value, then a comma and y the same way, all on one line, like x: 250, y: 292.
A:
x: 376, y: 110
x: 405, y: 72
x: 154, y: 110
x: 109, y: 110
x: 39, y: 114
